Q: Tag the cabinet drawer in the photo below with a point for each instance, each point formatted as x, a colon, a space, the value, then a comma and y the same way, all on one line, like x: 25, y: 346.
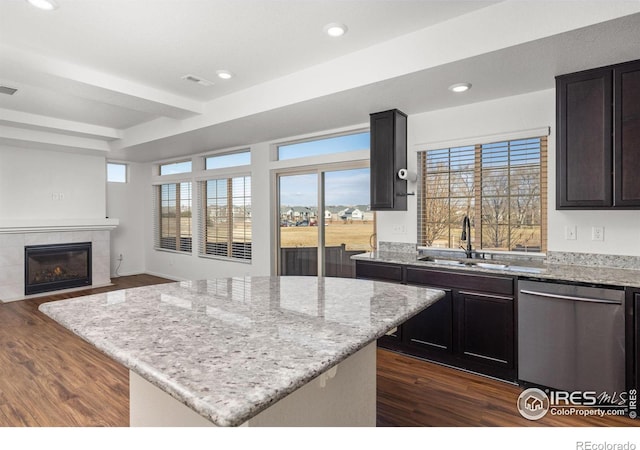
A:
x: 379, y: 271
x: 482, y: 283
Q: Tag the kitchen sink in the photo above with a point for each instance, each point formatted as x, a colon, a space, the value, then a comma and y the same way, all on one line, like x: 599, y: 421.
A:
x: 448, y: 262
x: 490, y: 265
x: 480, y: 264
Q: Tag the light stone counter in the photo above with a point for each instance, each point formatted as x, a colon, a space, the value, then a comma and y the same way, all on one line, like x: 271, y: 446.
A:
x: 230, y: 348
x: 572, y: 272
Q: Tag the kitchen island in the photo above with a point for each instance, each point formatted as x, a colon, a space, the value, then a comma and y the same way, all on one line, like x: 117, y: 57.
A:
x: 258, y: 351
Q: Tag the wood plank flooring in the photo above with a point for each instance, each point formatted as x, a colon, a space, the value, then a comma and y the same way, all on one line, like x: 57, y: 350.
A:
x: 50, y: 377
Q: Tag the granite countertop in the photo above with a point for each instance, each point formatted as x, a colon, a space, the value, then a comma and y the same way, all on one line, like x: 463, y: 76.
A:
x: 230, y: 348
x: 559, y: 272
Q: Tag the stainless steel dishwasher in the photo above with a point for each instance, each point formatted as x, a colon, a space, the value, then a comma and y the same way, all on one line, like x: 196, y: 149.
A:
x: 571, y: 337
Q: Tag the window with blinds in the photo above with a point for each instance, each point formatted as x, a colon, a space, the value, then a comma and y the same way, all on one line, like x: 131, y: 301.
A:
x: 173, y: 217
x: 226, y: 218
x: 501, y: 186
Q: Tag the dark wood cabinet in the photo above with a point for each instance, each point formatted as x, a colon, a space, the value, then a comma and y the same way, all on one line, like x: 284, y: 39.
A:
x: 388, y: 156
x: 379, y: 271
x: 431, y: 331
x: 626, y: 80
x: 472, y: 327
x: 486, y: 330
x: 598, y: 138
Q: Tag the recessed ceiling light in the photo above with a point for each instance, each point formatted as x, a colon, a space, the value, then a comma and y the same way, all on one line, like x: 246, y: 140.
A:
x: 224, y: 74
x: 460, y: 87
x: 47, y: 5
x: 335, y: 29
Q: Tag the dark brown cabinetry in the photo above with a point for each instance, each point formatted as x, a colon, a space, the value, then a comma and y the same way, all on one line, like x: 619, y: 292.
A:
x: 598, y: 138
x: 626, y: 80
x: 472, y: 327
x: 633, y: 341
x: 388, y: 156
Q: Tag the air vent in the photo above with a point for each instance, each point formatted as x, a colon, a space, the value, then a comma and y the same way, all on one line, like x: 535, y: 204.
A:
x: 194, y: 79
x: 7, y: 90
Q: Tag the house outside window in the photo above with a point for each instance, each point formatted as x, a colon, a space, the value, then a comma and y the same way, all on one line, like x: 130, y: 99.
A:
x: 500, y: 186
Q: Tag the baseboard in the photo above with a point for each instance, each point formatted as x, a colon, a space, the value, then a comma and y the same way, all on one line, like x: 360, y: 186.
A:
x: 164, y: 275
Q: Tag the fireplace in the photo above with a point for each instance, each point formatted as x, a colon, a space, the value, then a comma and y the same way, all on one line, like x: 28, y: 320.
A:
x: 59, y: 266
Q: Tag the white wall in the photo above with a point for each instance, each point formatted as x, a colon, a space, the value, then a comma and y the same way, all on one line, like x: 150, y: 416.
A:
x: 507, y: 115
x: 126, y: 202
x: 41, y: 184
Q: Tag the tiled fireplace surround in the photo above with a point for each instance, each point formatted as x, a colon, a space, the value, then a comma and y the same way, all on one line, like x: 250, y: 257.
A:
x: 13, y: 241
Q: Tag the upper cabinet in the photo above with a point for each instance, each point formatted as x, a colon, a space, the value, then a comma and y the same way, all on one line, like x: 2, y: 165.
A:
x: 598, y: 138
x: 388, y: 156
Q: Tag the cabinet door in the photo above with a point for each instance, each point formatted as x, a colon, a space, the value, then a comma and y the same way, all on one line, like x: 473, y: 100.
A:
x: 584, y: 140
x: 486, y: 330
x: 388, y: 154
x: 627, y: 134
x: 431, y: 329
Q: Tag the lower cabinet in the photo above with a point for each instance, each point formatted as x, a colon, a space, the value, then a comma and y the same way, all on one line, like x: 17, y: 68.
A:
x: 472, y: 327
x: 486, y: 329
x: 431, y: 330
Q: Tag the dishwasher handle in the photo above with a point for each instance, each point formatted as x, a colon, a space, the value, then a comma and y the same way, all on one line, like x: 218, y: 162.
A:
x: 570, y: 297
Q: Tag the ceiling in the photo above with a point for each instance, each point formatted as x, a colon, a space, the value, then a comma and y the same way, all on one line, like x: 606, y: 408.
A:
x: 104, y: 77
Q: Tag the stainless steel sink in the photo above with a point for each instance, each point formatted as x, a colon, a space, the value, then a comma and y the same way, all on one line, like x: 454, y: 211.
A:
x: 447, y: 262
x: 526, y: 269
x: 480, y: 264
x: 494, y: 266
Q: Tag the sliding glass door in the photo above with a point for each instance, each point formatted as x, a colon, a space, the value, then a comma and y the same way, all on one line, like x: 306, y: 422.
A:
x: 324, y: 219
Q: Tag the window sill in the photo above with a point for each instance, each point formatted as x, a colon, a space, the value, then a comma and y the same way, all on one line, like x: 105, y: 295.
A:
x: 225, y: 258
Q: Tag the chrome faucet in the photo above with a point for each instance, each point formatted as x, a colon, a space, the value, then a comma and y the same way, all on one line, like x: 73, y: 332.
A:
x: 466, y: 236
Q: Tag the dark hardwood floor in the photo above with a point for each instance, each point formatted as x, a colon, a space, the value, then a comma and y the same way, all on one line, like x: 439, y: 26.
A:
x: 50, y: 377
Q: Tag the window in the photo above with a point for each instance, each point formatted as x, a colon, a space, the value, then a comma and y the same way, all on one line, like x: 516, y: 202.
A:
x: 174, y: 168
x: 337, y: 144
x: 501, y: 186
x: 229, y: 160
x: 116, y: 173
x: 173, y: 217
x: 226, y: 218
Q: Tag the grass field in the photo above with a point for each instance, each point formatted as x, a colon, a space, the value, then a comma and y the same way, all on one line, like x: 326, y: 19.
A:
x: 354, y: 234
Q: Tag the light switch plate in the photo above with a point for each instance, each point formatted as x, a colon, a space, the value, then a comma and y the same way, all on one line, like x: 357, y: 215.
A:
x: 570, y: 233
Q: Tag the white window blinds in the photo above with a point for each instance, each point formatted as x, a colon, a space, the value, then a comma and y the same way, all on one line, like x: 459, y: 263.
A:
x: 225, y: 221
x: 172, y: 216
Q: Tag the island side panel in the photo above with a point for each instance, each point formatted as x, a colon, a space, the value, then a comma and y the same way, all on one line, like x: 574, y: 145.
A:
x: 342, y: 397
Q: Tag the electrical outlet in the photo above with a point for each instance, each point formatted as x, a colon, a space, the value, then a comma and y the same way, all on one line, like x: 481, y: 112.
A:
x: 597, y: 233
x: 570, y: 233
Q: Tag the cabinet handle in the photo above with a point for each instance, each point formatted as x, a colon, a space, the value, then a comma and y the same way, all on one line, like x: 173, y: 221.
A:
x: 569, y: 297
x: 476, y: 294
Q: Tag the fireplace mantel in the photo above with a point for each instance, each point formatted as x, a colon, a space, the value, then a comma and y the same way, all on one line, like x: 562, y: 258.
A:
x: 49, y: 225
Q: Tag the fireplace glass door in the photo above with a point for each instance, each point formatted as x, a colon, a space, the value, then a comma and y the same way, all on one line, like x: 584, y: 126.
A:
x: 59, y: 266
